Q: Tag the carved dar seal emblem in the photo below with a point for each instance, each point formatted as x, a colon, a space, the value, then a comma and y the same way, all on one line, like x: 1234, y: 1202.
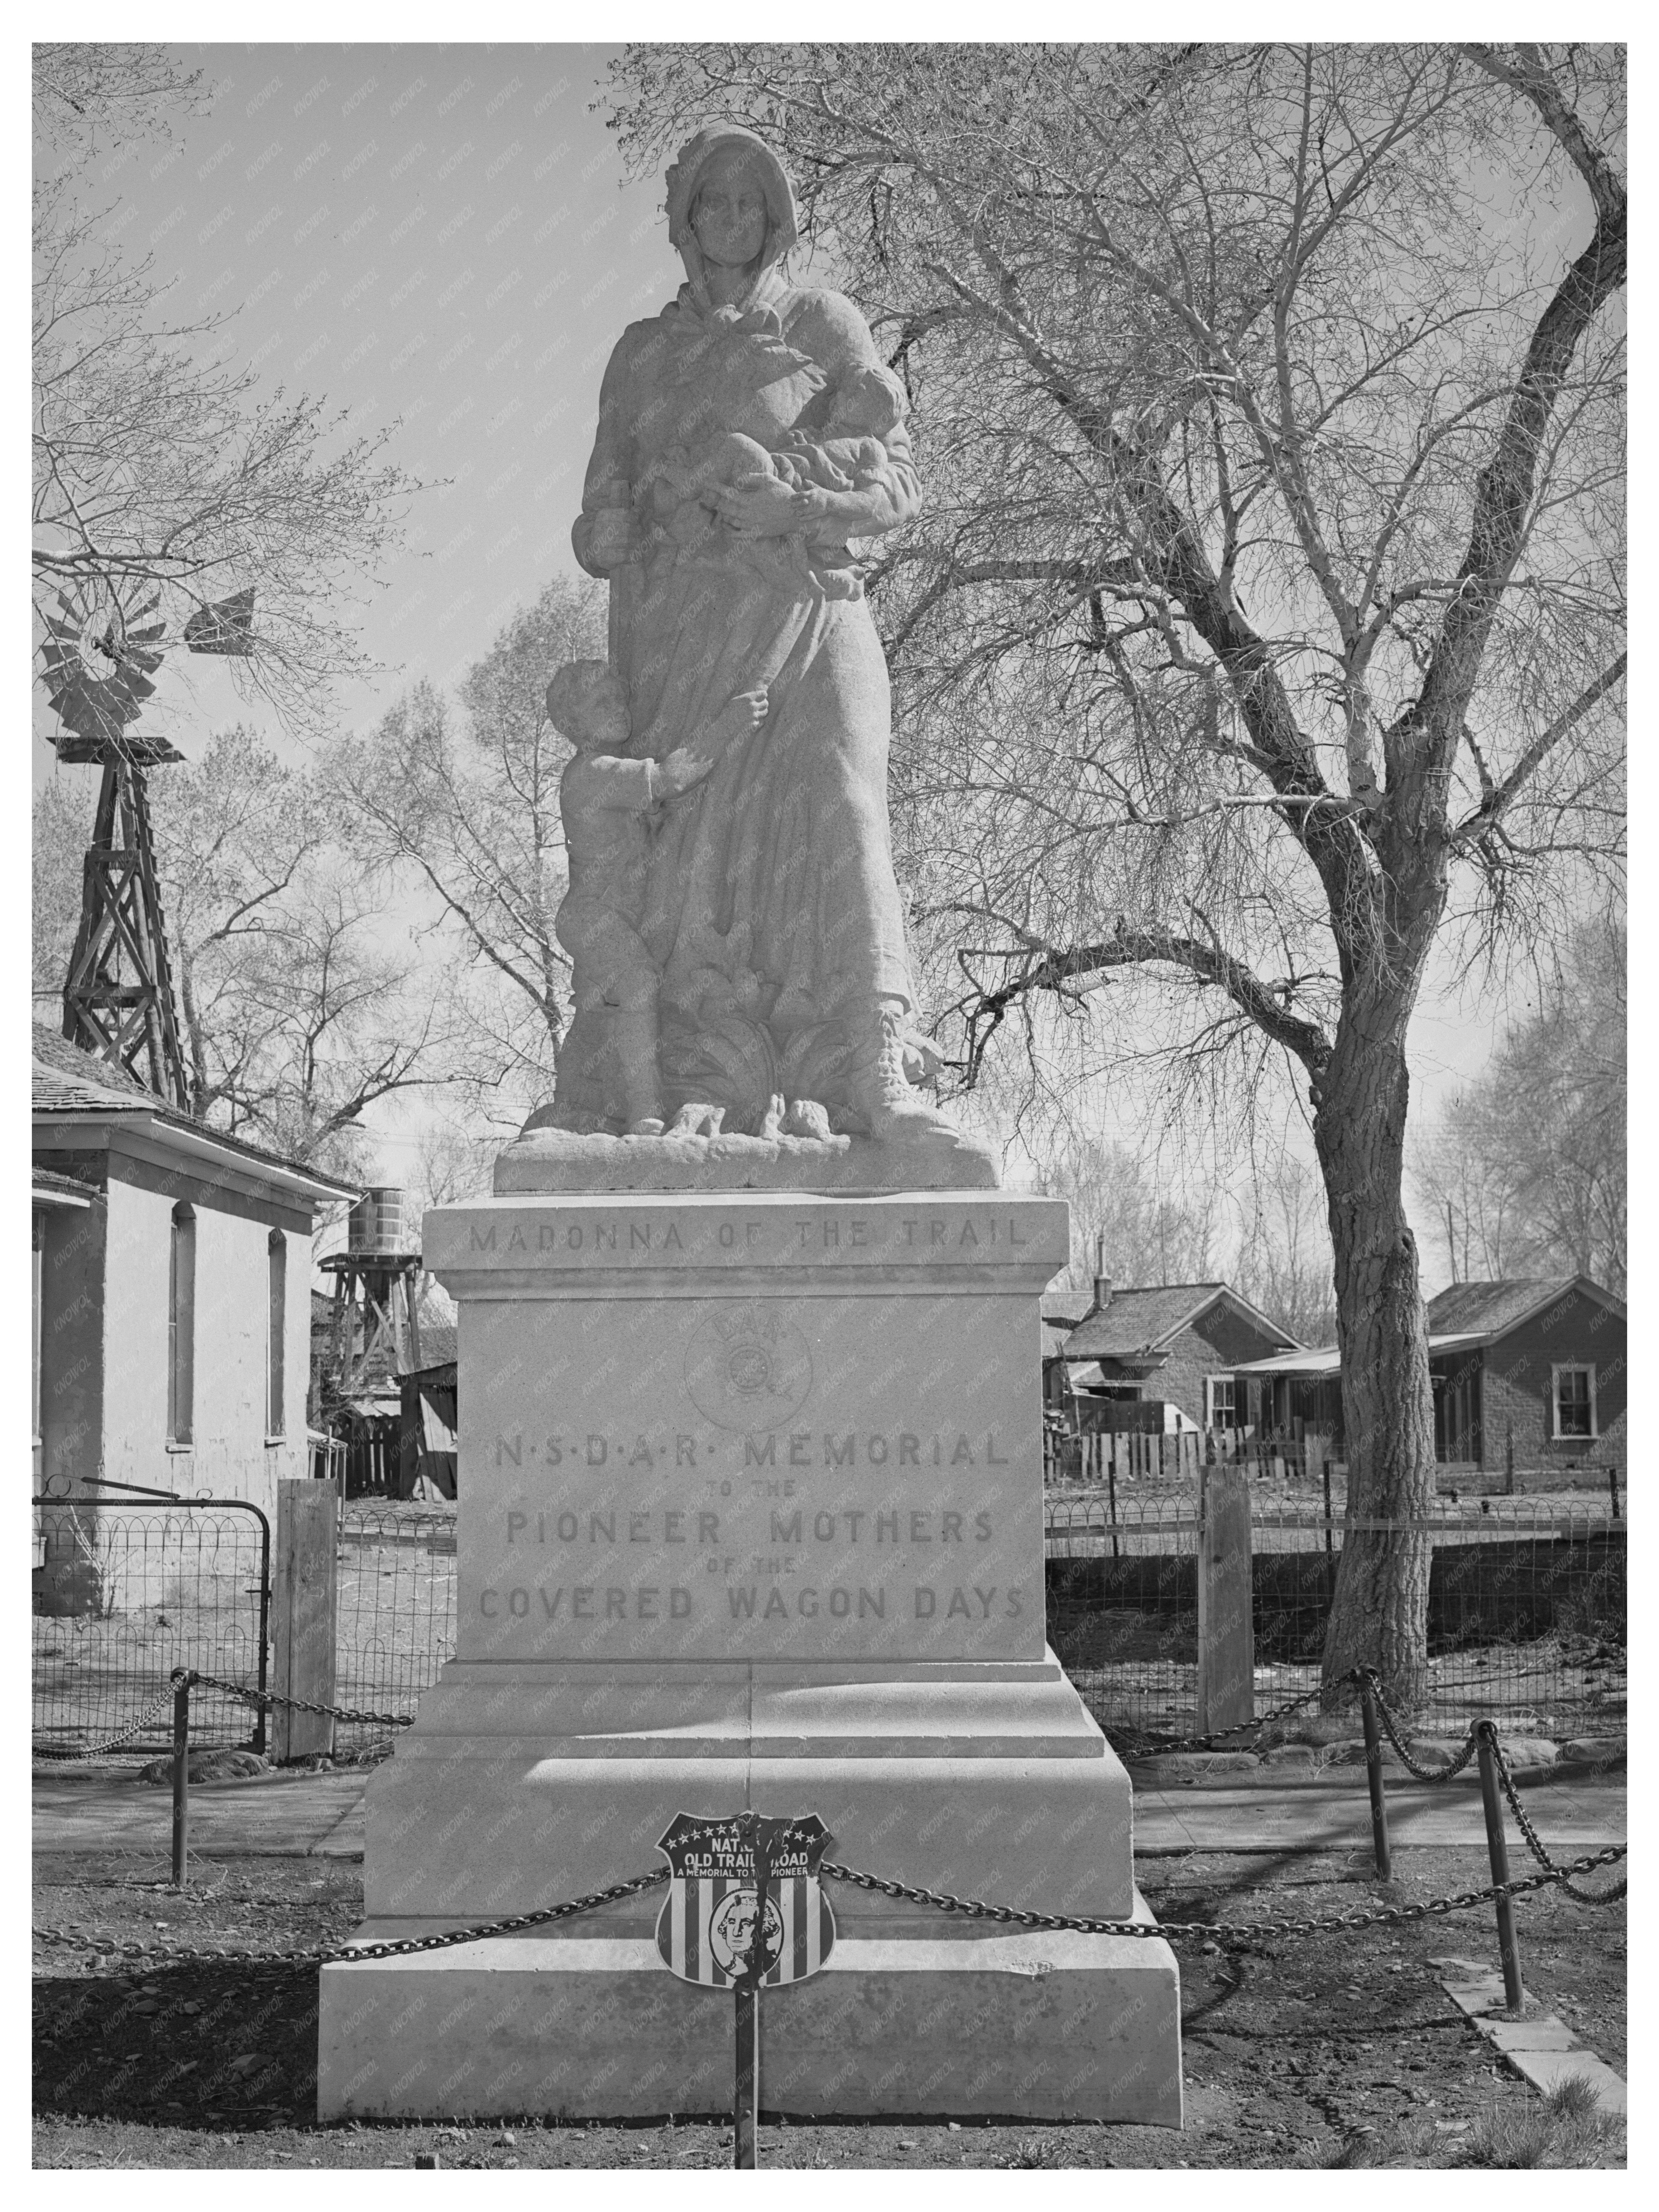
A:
x: 748, y: 1367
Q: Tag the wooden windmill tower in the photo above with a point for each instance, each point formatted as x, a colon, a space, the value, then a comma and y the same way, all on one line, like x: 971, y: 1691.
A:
x: 102, y: 645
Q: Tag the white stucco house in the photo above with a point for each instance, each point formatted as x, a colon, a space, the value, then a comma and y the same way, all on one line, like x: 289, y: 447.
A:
x: 172, y: 1267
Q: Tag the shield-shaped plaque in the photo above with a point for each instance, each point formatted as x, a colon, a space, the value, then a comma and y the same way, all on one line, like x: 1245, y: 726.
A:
x: 714, y: 1928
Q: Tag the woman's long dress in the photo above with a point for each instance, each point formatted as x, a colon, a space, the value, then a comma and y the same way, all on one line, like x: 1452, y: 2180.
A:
x: 772, y: 908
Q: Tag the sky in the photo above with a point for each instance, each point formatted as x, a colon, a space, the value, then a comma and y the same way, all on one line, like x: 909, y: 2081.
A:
x: 435, y: 239
x: 440, y: 238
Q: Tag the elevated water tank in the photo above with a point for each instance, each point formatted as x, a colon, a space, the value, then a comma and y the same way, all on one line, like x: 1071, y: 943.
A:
x: 377, y: 1222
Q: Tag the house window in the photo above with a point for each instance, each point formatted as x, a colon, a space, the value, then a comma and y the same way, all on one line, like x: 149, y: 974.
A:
x: 1220, y: 1401
x: 276, y: 1325
x: 181, y: 1327
x: 1573, y: 1389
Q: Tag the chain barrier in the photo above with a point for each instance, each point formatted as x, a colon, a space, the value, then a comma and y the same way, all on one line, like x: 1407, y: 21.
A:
x: 268, y: 1697
x: 111, y: 1743
x: 1264, y: 1719
x: 943, y: 1901
x: 1535, y: 1842
x: 1236, y: 1931
x: 344, y: 1954
x: 1550, y: 1876
x: 259, y: 1699
x: 1391, y: 1730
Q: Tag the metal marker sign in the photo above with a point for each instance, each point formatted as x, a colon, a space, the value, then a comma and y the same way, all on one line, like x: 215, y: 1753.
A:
x: 745, y: 1908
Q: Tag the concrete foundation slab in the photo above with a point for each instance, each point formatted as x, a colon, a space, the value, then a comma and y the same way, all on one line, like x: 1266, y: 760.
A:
x: 1056, y: 2027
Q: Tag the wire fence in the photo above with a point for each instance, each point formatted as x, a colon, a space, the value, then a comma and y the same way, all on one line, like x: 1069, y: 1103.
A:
x: 396, y: 1572
x: 1527, y: 1613
x: 1527, y: 1609
x: 125, y: 1594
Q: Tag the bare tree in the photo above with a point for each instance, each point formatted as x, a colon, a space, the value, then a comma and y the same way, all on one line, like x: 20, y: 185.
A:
x: 1526, y: 1171
x: 1145, y: 1232
x: 61, y: 827
x: 467, y: 812
x: 113, y: 90
x: 1269, y: 624
x: 160, y: 476
x: 1283, y: 1264
x: 299, y: 1010
x: 453, y: 1162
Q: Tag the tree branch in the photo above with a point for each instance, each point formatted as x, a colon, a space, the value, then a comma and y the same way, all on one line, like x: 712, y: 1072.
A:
x: 1050, y: 969
x: 1499, y: 797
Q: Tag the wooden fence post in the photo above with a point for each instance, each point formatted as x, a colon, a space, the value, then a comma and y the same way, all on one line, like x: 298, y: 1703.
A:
x: 1226, y: 1631
x: 304, y: 1615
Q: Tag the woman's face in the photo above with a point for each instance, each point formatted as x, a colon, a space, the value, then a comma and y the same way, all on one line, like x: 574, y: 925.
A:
x: 729, y: 213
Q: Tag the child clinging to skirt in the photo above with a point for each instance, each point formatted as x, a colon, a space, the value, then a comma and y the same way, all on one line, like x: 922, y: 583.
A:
x: 605, y: 796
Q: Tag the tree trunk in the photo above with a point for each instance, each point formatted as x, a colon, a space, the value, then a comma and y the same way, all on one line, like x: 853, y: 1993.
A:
x: 1379, y: 1614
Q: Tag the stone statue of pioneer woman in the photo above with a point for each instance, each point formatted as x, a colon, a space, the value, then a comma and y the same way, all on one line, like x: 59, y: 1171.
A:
x: 749, y: 437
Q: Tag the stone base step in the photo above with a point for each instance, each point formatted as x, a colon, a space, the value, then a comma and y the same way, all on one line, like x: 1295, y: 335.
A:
x: 1028, y: 2025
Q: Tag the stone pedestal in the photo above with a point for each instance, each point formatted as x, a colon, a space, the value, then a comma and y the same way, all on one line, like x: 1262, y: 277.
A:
x: 750, y: 1514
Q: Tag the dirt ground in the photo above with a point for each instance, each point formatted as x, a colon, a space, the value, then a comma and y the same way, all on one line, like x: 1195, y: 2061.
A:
x: 1298, y: 2052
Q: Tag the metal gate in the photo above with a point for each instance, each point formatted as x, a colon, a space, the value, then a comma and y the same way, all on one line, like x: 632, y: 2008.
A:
x: 125, y: 1591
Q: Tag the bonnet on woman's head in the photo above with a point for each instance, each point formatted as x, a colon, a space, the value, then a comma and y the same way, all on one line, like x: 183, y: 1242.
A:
x: 686, y: 172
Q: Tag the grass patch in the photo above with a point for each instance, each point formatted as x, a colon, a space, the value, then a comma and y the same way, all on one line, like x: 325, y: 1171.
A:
x: 1565, y: 2129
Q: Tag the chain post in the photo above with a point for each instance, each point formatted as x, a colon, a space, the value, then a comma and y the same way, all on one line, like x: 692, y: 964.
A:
x: 1486, y: 1732
x: 1374, y: 1775
x: 180, y: 1777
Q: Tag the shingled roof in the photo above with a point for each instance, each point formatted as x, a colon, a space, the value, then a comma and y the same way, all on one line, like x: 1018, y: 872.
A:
x: 1461, y: 1317
x: 1493, y: 1308
x: 65, y: 1079
x: 1138, y: 1324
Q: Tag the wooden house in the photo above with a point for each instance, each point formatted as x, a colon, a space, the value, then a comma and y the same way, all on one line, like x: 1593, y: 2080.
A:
x: 1528, y: 1373
x: 1179, y: 1345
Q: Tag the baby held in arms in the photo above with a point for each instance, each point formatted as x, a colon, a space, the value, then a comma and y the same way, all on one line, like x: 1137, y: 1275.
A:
x: 848, y: 455
x: 605, y: 796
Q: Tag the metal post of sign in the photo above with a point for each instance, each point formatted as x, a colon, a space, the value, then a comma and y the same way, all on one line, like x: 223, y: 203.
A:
x: 745, y: 2112
x: 746, y: 2109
